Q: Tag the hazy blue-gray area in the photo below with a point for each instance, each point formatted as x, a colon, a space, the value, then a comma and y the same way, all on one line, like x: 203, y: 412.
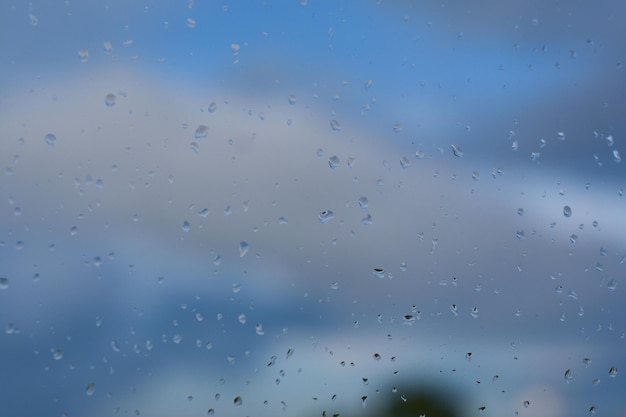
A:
x: 163, y: 252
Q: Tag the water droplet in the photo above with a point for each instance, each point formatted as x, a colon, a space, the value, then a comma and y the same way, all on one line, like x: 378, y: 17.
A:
x: 259, y: 329
x: 616, y: 156
x: 454, y: 309
x: 363, y: 400
x: 404, y: 162
x: 83, y: 55
x: 334, y: 162
x: 586, y: 362
x: 177, y: 338
x: 334, y: 125
x: 379, y: 272
x: 567, y: 211
x: 186, y: 226
x: 377, y: 356
x: 476, y: 175
x: 289, y: 353
x: 534, y: 156
x: 520, y: 235
x: 367, y: 220
x: 291, y: 99
x: 363, y: 202
x: 237, y: 401
x: 50, y: 139
x: 520, y: 211
x: 109, y: 100
x: 526, y: 404
x: 474, y: 312
x: 228, y: 210
x: 456, y: 150
x: 419, y: 154
x: 613, y: 372
x: 90, y: 389
x: 325, y: 216
x: 573, y: 238
x: 191, y: 23
x: 211, y: 411
x: 202, y: 132
x: 592, y: 410
x: 243, y: 248
x: 4, y: 283
x: 57, y: 354
x: 33, y: 20
x: 569, y: 375
x: 212, y: 107
x: 204, y: 212
x: 195, y: 147
x: 368, y: 84
x: 397, y: 128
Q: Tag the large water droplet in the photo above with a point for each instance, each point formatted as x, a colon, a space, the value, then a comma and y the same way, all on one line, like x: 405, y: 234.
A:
x: 243, y: 248
x: 50, y: 139
x: 334, y: 125
x: 325, y: 216
x: 212, y: 107
x: 90, y: 389
x: 613, y: 372
x: 57, y: 354
x: 201, y: 132
x: 237, y: 401
x: 83, y: 55
x: 363, y: 202
x: 379, y: 272
x: 109, y: 100
x: 334, y: 162
x: 291, y: 99
x: 567, y: 211
x: 367, y: 220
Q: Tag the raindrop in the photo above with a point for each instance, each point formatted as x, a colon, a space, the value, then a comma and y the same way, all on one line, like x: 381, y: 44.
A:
x: 289, y: 353
x: 456, y: 150
x: 191, y: 23
x: 367, y: 220
x: 592, y: 410
x: 33, y: 20
x: 377, y: 356
x: 272, y: 361
x: 419, y: 154
x: 586, y: 362
x: 534, y: 156
x: 613, y: 372
x: 4, y: 283
x: 243, y: 248
x: 397, y: 128
x: 368, y: 84
x: 186, y: 226
x: 363, y: 399
x: 454, y: 309
x: 567, y: 211
x: 474, y: 312
x: 379, y: 272
x: 50, y: 139
x: 325, y: 216
x: 195, y: 147
x: 334, y: 125
x: 334, y: 162
x: 204, y: 212
x: 569, y: 375
x: 211, y: 411
x: 520, y: 211
x: 526, y: 404
x: 291, y: 99
x: 519, y: 234
x: 404, y: 162
x: 57, y: 354
x: 476, y: 175
x: 212, y: 107
x: 242, y: 318
x: 573, y: 238
x: 89, y: 390
x: 109, y: 100
x: 259, y: 329
x: 177, y: 338
x: 202, y: 132
x: 83, y: 55
x: 237, y: 401
x: 363, y: 202
x: 616, y: 156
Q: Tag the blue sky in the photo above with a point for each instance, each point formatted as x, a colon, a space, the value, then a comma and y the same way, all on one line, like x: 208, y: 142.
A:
x: 102, y: 267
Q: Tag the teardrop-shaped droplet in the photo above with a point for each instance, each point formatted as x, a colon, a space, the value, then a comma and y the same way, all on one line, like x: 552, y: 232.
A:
x: 243, y: 248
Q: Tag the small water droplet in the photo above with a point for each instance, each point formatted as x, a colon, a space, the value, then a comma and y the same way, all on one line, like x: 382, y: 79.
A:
x: 194, y: 147
x: 50, y: 139
x: 90, y: 389
x: 210, y: 411
x: 363, y: 400
x: 592, y: 410
x: 456, y: 150
x: 259, y: 329
x: 613, y: 372
x: 186, y: 226
x: 109, y: 100
x: 191, y: 23
x: 325, y: 216
x: 526, y: 404
x: 57, y: 354
x: 33, y: 20
x: 377, y: 356
x: 404, y: 162
x: 4, y: 283
x: 237, y: 401
x: 83, y: 55
x: 569, y: 375
x: 334, y: 125
x: 368, y: 84
x: 289, y: 353
x: 201, y: 132
x: 291, y: 99
x: 617, y: 158
x: 243, y: 248
x: 567, y: 211
x: 367, y: 220
x: 334, y: 162
x: 474, y: 312
x: 454, y: 309
x: 520, y: 235
x: 397, y: 128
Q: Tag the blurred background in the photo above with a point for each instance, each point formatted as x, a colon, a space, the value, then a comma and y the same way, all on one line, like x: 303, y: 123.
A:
x: 312, y: 208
